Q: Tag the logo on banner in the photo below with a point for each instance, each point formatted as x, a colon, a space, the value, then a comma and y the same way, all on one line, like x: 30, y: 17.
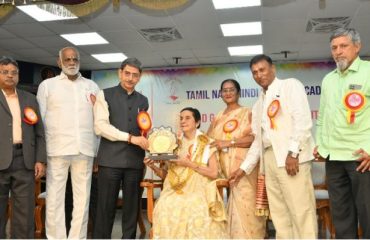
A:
x: 172, y: 86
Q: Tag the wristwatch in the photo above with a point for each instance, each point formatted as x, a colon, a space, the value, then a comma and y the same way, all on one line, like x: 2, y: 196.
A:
x: 293, y: 154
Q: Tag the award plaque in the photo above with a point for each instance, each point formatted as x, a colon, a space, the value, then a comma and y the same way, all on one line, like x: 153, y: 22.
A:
x: 162, y: 143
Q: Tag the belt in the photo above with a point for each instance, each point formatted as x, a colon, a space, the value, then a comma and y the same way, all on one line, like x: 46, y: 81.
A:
x: 18, y: 146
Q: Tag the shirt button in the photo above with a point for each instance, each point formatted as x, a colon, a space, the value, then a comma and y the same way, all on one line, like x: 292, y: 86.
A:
x: 129, y: 108
x: 9, y: 124
x: 129, y: 119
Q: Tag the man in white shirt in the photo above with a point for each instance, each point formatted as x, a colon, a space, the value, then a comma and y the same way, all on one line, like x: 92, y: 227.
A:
x: 66, y: 105
x: 281, y: 122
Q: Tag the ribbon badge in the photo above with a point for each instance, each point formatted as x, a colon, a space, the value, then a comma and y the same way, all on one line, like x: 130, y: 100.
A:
x: 354, y: 101
x: 229, y: 127
x: 272, y: 110
x: 30, y: 116
x: 144, y: 122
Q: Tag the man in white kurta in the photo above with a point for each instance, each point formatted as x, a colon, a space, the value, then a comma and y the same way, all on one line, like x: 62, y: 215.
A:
x: 66, y: 106
x: 281, y: 122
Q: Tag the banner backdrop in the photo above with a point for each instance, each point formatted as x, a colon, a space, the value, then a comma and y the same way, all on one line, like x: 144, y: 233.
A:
x: 170, y: 90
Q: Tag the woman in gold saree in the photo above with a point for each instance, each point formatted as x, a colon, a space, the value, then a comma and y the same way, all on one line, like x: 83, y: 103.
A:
x: 189, y: 205
x: 231, y: 130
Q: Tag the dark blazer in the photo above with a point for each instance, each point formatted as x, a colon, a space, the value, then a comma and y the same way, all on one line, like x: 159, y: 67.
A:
x: 33, y: 136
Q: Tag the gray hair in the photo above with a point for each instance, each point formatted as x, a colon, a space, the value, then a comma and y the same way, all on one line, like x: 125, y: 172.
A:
x: 350, y: 32
x: 5, y: 60
x: 132, y: 62
x: 65, y: 48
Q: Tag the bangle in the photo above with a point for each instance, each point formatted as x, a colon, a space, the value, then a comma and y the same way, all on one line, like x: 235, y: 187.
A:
x: 232, y: 142
x: 129, y: 139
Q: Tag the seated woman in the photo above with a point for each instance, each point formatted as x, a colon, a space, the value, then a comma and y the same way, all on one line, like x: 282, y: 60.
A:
x: 189, y: 205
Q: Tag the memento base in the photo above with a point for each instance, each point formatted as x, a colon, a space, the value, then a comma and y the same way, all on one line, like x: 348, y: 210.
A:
x: 163, y: 156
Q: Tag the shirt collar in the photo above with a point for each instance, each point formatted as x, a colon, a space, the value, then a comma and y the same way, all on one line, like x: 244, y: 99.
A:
x: 6, y: 95
x: 64, y: 76
x: 126, y: 92
x: 272, y: 86
x: 353, y: 67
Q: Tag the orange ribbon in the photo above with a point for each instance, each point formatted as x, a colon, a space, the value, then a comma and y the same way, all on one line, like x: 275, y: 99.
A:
x: 144, y: 122
x: 229, y: 127
x: 354, y: 101
x: 30, y: 116
x: 272, y: 110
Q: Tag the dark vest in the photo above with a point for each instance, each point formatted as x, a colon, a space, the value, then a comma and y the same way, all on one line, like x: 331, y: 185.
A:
x: 123, y: 110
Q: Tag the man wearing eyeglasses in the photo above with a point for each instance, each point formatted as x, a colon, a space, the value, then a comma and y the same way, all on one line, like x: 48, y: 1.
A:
x: 121, y: 151
x: 22, y: 152
x: 343, y: 135
x: 66, y: 105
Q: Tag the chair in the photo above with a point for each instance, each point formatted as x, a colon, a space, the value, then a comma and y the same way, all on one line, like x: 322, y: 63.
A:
x: 151, y: 184
x: 322, y: 198
x: 39, y: 210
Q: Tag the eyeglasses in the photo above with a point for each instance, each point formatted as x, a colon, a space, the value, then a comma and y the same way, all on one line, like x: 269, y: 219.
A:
x: 6, y: 72
x: 228, y: 90
x: 128, y: 74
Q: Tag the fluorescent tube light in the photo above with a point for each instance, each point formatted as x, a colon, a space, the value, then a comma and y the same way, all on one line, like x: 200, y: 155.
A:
x: 245, y: 50
x: 110, y: 57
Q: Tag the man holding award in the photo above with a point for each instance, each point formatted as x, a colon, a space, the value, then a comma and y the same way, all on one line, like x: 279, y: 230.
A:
x: 121, y: 152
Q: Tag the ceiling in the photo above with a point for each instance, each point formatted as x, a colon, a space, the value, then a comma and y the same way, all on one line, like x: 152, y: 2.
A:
x: 284, y: 25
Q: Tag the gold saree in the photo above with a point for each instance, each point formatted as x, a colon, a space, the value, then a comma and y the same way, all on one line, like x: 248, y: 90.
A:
x: 242, y: 221
x: 189, y: 205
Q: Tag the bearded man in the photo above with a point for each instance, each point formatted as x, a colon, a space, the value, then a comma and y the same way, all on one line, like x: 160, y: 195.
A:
x: 342, y: 135
x: 66, y: 106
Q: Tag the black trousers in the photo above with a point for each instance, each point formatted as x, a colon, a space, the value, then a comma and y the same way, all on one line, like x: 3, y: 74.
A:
x: 109, y: 182
x: 21, y: 184
x: 349, y: 193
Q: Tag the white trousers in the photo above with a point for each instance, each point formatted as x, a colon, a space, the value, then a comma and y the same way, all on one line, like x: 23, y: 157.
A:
x: 56, y: 180
x: 291, y: 200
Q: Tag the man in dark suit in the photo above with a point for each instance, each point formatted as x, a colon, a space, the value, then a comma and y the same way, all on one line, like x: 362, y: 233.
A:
x: 121, y: 151
x: 22, y: 152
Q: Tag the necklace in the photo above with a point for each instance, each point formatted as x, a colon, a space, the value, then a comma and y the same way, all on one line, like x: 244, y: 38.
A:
x: 178, y: 175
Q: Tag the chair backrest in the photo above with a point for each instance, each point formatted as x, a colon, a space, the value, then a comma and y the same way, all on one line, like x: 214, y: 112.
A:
x: 318, y: 174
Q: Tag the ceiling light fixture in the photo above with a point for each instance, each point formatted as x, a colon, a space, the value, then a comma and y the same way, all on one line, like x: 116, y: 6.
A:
x: 110, y: 57
x: 224, y: 4
x: 63, y: 8
x: 84, y: 38
x: 245, y: 50
x: 241, y: 29
x: 47, y: 12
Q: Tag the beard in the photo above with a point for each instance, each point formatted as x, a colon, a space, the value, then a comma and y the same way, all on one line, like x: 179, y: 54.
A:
x: 71, y: 71
x: 342, y: 64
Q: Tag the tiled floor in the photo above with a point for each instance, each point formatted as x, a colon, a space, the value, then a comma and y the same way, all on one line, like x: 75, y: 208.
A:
x: 117, y: 232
